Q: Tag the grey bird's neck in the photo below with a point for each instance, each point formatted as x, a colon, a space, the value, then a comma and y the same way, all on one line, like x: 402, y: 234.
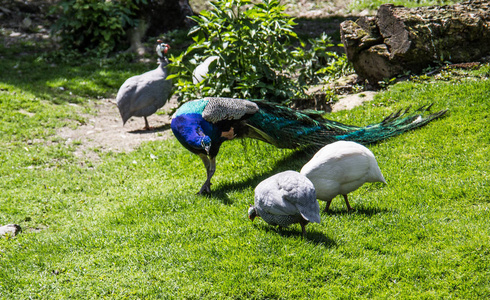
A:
x: 163, y: 62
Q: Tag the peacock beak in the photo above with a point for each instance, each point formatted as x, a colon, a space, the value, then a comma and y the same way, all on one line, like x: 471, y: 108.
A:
x: 206, y: 143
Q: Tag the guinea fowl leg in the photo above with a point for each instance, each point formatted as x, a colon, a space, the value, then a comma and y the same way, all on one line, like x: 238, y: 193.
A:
x: 303, y: 225
x: 147, y: 126
x: 210, y: 165
x: 347, y: 203
x: 328, y: 205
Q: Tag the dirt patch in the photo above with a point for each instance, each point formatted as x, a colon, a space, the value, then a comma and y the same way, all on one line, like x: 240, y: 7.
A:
x: 104, y: 131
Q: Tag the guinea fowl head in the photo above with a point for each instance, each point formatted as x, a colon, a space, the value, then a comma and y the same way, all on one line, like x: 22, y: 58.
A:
x: 162, y: 48
x: 252, y: 213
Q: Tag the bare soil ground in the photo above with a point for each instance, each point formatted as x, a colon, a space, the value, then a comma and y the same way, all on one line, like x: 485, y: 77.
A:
x: 104, y: 131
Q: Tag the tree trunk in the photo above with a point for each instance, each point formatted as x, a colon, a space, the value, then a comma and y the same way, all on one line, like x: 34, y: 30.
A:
x: 166, y: 15
x: 136, y: 36
x: 158, y: 17
x: 400, y: 40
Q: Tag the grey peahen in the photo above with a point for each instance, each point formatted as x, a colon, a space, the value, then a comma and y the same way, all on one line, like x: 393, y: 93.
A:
x: 203, y: 125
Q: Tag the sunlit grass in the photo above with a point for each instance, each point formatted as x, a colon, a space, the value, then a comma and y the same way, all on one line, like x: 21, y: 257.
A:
x: 131, y: 225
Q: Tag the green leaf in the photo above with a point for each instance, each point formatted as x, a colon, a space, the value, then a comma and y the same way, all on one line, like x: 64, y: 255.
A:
x: 172, y: 76
x: 194, y: 30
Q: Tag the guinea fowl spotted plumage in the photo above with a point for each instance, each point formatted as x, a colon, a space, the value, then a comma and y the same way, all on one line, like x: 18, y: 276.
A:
x: 284, y: 199
x: 203, y: 125
x: 143, y: 95
x: 340, y: 168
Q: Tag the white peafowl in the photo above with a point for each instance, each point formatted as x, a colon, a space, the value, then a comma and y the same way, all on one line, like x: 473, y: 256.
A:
x: 143, y: 95
x: 340, y: 168
x: 202, y: 70
x: 284, y: 199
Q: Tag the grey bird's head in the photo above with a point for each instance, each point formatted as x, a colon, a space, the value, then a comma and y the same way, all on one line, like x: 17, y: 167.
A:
x: 252, y: 213
x: 162, y: 48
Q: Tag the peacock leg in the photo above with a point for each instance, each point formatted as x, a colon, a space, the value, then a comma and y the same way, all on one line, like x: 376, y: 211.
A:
x: 328, y: 205
x: 210, y: 165
x: 147, y: 126
x: 347, y: 203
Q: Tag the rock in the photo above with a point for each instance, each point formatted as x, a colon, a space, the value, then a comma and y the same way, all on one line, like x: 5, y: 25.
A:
x: 400, y: 40
x: 350, y: 101
x: 10, y: 229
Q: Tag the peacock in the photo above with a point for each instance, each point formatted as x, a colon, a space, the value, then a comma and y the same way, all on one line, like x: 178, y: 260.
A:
x: 203, y: 125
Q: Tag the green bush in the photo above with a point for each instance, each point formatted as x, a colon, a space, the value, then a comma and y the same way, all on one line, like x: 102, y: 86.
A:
x: 317, y: 64
x: 258, y: 58
x: 92, y: 25
x: 252, y: 43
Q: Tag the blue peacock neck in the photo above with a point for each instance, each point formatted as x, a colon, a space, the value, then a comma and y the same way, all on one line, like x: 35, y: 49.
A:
x: 191, y: 130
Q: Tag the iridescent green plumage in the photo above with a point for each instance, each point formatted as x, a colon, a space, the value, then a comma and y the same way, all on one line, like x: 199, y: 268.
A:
x: 288, y: 128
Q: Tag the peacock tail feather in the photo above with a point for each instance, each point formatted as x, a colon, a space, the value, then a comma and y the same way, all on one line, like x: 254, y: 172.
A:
x: 287, y: 128
x: 395, y: 124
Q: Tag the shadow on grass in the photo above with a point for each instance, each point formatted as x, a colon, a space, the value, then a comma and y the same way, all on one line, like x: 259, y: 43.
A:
x: 360, y: 210
x: 308, y: 28
x: 294, y: 161
x: 312, y: 235
x: 152, y: 130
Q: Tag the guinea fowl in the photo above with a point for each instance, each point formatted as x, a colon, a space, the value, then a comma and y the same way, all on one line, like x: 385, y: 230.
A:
x: 202, y: 70
x: 143, y: 95
x: 203, y: 125
x: 340, y: 168
x: 284, y: 199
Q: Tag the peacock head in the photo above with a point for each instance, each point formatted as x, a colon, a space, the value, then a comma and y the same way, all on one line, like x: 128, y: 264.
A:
x: 162, y: 48
x: 252, y: 213
x: 206, y: 143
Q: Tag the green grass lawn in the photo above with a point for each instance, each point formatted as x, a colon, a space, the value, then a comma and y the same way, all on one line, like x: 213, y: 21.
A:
x: 131, y: 226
